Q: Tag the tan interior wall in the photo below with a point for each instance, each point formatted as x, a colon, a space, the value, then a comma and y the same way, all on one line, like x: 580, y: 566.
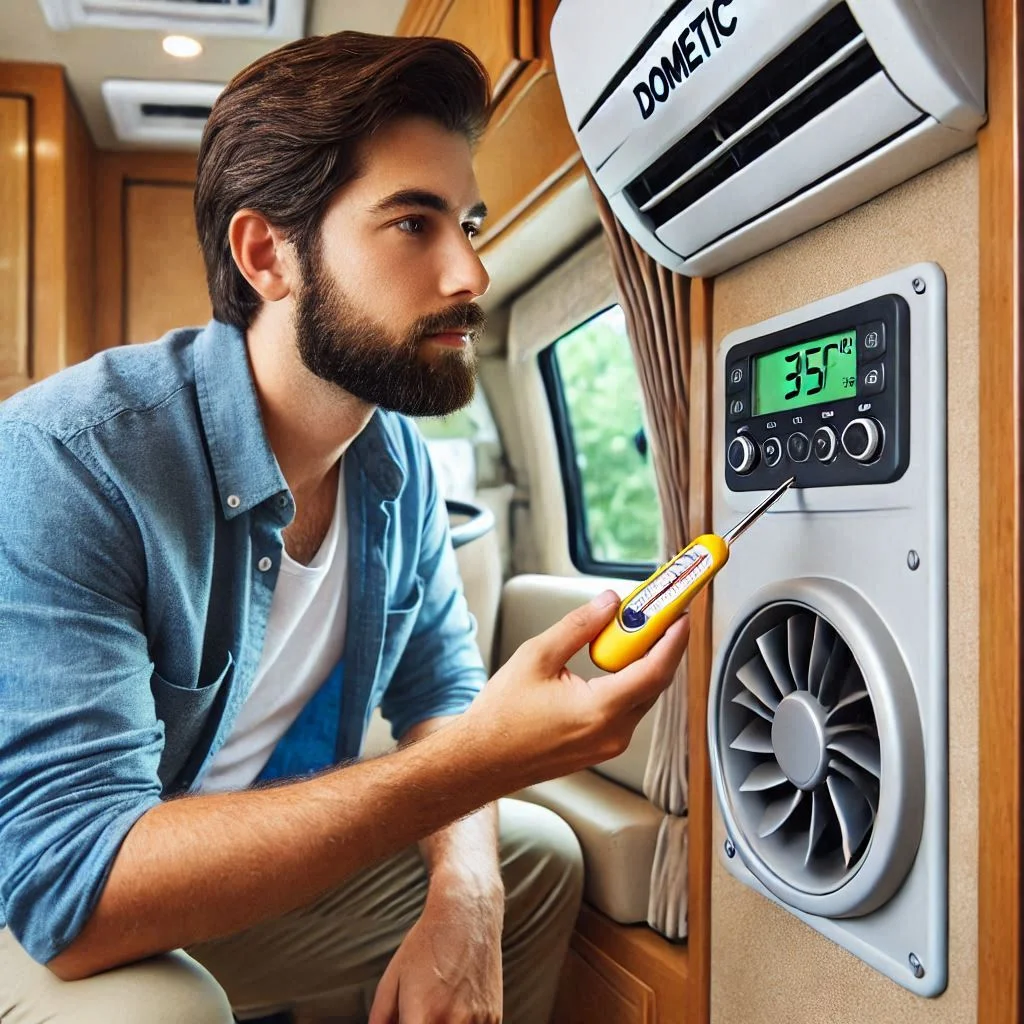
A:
x: 766, y: 965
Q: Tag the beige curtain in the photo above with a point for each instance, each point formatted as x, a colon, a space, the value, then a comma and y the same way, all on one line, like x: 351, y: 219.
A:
x: 656, y: 305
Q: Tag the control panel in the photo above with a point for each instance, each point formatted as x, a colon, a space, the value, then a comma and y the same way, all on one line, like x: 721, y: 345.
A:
x: 826, y: 401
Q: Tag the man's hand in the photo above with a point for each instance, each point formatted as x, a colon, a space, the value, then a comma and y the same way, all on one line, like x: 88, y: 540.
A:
x: 538, y: 720
x: 448, y: 968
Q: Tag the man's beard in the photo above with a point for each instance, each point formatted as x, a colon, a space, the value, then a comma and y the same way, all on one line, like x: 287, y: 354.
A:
x: 350, y: 350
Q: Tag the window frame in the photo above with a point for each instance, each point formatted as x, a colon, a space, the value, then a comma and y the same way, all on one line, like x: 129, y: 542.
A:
x: 580, y: 551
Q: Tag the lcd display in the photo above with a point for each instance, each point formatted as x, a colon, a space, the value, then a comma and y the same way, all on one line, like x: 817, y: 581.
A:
x: 824, y: 370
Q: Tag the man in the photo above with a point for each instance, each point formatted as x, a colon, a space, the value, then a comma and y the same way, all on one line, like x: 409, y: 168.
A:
x: 197, y: 532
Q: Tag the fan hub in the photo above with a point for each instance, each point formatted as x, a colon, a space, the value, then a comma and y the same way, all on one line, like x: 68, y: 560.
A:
x: 798, y: 738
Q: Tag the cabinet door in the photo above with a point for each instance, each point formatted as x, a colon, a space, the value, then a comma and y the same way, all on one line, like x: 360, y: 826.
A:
x: 15, y: 244
x: 527, y: 149
x: 165, y: 280
x: 499, y: 32
x: 596, y: 988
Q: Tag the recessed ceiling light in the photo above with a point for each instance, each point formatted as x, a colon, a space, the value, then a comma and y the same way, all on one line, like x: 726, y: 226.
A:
x: 182, y: 46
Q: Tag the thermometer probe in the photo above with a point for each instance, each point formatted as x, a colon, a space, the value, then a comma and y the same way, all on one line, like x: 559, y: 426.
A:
x: 645, y: 615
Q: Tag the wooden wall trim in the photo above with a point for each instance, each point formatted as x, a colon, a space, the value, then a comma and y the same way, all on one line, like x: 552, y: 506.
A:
x: 114, y: 172
x: 43, y: 85
x: 699, y: 660
x: 999, y: 825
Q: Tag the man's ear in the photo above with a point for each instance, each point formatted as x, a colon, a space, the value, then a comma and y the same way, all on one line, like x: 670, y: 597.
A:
x: 262, y: 254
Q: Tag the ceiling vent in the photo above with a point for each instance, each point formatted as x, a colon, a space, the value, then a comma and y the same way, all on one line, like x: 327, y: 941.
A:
x: 159, y: 113
x: 270, y: 19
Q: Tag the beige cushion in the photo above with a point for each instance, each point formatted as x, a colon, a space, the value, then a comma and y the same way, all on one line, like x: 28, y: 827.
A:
x: 616, y: 825
x: 531, y: 603
x: 617, y: 830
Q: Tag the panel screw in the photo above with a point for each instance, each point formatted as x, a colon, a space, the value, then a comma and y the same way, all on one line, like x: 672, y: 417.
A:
x: 730, y: 850
x: 919, y: 285
x: 913, y: 560
x: 915, y: 965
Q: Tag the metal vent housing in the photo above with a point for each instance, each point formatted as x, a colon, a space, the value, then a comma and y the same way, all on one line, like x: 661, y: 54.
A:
x: 816, y: 748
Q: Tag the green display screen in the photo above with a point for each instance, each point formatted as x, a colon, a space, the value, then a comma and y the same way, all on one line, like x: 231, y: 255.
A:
x: 813, y: 371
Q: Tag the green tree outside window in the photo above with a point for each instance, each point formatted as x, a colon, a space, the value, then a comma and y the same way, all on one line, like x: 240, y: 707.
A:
x: 605, y: 409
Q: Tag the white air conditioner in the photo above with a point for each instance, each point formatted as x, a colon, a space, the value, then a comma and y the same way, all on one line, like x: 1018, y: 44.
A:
x: 718, y: 129
x: 270, y: 19
x: 159, y: 113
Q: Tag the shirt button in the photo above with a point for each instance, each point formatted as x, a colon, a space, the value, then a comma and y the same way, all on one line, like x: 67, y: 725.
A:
x: 234, y: 501
x: 282, y: 501
x: 264, y: 564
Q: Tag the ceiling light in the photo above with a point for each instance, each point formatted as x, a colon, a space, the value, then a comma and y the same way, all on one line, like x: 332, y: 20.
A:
x: 182, y: 46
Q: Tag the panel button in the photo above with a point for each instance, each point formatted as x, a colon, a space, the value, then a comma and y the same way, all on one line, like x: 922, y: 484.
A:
x: 798, y: 447
x: 772, y: 451
x: 737, y: 408
x: 824, y: 444
x: 863, y: 439
x: 737, y: 377
x: 742, y: 454
x: 872, y: 379
x: 870, y: 341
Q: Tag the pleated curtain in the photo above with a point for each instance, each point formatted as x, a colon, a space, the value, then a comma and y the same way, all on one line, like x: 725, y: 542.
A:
x: 656, y: 306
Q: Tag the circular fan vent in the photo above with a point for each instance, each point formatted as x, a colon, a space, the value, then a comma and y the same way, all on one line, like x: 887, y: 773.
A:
x: 818, y: 758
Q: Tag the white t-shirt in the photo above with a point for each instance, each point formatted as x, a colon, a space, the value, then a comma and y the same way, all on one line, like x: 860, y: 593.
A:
x: 304, y: 641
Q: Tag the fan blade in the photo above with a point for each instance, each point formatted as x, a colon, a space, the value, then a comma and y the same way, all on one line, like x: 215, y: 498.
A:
x: 821, y: 648
x: 778, y: 812
x: 861, y: 749
x: 799, y: 634
x: 751, y: 703
x: 756, y: 738
x: 867, y: 784
x: 819, y: 819
x: 853, y: 811
x: 764, y: 776
x: 772, y: 646
x: 755, y: 677
x: 835, y: 673
x: 848, y: 703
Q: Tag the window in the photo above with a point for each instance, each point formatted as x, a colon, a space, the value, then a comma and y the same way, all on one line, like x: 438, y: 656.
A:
x: 611, y: 494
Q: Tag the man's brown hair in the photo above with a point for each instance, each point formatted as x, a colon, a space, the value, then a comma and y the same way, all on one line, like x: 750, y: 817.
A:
x: 282, y: 136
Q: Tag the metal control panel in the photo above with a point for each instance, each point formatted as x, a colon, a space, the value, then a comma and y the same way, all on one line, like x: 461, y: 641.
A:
x: 826, y: 401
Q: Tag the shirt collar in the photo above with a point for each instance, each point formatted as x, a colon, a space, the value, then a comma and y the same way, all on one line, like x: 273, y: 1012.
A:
x: 244, y: 465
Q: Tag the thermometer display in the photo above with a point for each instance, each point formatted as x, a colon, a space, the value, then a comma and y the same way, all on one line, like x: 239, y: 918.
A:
x: 814, y: 371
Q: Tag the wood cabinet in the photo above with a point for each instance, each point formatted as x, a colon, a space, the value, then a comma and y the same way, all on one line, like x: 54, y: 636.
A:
x: 149, y: 268
x: 46, y: 270
x: 622, y: 974
x: 528, y: 153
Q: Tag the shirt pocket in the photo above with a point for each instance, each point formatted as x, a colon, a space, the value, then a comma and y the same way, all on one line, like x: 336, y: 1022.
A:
x: 398, y: 626
x: 191, y: 717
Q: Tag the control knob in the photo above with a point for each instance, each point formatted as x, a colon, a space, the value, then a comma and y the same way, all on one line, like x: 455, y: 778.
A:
x: 742, y: 454
x: 862, y: 439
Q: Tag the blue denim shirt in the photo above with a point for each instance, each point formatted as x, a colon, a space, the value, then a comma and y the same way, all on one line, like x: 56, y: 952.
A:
x: 139, y: 498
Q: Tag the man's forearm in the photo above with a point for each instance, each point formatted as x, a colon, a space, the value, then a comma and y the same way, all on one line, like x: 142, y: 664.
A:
x: 200, y: 867
x: 464, y: 854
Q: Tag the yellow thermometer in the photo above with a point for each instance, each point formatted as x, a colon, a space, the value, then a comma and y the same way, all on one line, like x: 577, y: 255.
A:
x: 645, y: 615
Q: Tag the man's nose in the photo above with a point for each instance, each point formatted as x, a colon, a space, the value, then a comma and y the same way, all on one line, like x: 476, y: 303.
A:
x: 463, y: 272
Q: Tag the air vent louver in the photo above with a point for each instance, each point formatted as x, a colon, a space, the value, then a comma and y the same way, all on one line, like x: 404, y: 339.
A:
x: 816, y: 47
x: 805, y: 743
x: 278, y: 19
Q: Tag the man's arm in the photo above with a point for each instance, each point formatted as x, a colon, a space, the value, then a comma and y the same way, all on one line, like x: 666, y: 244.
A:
x: 200, y: 867
x: 462, y: 858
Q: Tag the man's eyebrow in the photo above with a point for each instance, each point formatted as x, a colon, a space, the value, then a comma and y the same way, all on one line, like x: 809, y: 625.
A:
x: 414, y: 197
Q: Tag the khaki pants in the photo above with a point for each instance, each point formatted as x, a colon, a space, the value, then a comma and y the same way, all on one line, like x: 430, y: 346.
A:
x: 325, y: 960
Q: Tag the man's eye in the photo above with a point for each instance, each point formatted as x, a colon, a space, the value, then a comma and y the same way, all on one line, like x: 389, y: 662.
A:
x: 411, y: 225
x: 471, y: 229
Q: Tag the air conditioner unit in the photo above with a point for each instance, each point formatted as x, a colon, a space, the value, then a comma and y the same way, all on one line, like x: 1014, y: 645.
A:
x: 271, y: 19
x: 159, y: 113
x: 718, y: 129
